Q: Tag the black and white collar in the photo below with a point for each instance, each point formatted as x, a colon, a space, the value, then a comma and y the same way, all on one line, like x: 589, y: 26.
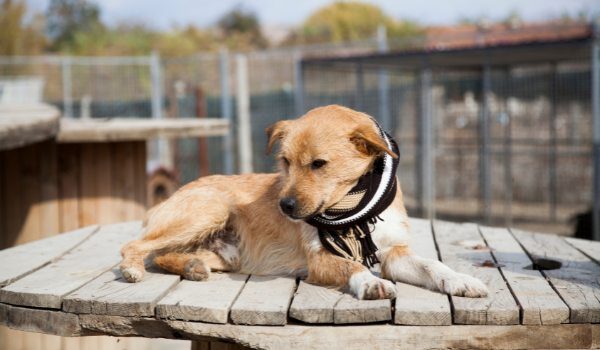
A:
x: 345, y: 229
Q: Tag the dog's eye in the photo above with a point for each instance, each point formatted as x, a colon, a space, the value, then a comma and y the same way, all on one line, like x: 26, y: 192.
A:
x: 285, y: 161
x: 318, y: 163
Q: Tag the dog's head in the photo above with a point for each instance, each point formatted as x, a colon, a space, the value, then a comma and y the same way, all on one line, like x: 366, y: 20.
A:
x: 321, y: 157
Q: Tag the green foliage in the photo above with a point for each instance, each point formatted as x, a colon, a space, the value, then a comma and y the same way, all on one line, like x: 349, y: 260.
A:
x: 16, y: 36
x: 72, y: 23
x: 351, y: 20
x: 186, y: 41
x: 241, y: 29
x: 75, y: 27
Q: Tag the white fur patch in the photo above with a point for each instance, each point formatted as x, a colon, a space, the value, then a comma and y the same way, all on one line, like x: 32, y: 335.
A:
x: 391, y: 230
x: 310, y: 236
x: 364, y: 285
x: 358, y: 283
x: 229, y: 253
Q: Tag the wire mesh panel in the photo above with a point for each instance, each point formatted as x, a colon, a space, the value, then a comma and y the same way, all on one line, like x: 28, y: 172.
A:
x: 512, y: 142
x: 96, y: 87
x: 456, y: 101
x: 192, y: 87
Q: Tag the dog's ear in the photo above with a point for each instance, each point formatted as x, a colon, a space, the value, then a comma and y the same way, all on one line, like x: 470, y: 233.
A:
x: 369, y: 142
x: 275, y: 133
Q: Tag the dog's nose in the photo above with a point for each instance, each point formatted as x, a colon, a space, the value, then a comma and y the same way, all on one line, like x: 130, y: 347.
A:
x: 288, y: 205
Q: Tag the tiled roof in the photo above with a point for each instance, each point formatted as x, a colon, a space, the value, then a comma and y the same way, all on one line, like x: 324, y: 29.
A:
x: 469, y: 35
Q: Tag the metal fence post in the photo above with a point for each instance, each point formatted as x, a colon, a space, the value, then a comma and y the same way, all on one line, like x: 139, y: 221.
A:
x: 596, y: 129
x: 553, y: 185
x: 243, y: 115
x: 360, y: 87
x: 226, y: 111
x: 508, y: 185
x: 426, y: 136
x: 298, y: 84
x: 383, y: 82
x: 162, y: 153
x: 67, y: 87
x: 156, y: 92
x: 484, y: 147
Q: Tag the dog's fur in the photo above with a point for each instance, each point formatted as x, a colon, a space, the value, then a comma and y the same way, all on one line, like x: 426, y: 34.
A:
x: 233, y: 223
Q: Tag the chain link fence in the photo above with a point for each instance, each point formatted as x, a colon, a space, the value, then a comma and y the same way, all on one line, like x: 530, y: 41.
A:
x: 508, y: 144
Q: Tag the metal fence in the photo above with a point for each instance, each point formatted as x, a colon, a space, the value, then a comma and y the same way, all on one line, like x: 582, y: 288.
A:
x: 508, y: 144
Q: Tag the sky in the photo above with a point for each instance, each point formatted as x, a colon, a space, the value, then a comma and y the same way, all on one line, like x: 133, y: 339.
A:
x: 163, y: 14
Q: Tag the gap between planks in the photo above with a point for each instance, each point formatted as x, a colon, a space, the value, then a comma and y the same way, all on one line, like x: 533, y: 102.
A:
x: 16, y: 268
x: 538, y: 301
x: 78, y: 267
x: 576, y: 281
x: 455, y: 242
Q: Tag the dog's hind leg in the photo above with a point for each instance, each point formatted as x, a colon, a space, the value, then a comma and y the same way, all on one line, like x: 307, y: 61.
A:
x: 400, y: 265
x: 187, y: 218
x: 192, y: 266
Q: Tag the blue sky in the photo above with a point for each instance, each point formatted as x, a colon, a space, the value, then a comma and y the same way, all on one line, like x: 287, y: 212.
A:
x: 163, y: 14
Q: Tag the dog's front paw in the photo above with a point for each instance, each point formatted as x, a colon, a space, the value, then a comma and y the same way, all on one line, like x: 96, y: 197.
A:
x: 462, y: 285
x: 196, y: 270
x: 132, y: 274
x: 366, y: 286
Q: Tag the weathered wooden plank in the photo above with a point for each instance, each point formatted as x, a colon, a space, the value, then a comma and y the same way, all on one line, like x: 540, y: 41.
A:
x: 418, y: 306
x: 49, y: 202
x: 141, y: 179
x: 577, y: 281
x: 23, y: 259
x: 130, y: 129
x: 264, y: 300
x: 460, y: 248
x: 30, y: 194
x: 110, y: 294
x: 88, y: 188
x: 314, y: 304
x: 589, y: 248
x: 68, y: 186
x: 539, y: 302
x: 564, y: 336
x: 206, y: 301
x: 12, y: 195
x: 351, y: 310
x: 47, y: 286
x: 123, y: 180
x: 105, y: 202
x: 20, y: 126
x: 38, y: 320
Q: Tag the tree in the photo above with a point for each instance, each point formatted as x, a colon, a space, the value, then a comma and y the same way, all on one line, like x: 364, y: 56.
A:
x: 241, y: 28
x: 69, y: 19
x: 351, y: 20
x: 18, y: 37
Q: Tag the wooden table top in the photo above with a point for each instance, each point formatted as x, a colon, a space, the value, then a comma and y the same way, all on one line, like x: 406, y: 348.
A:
x: 137, y: 129
x: 70, y: 285
x: 23, y: 125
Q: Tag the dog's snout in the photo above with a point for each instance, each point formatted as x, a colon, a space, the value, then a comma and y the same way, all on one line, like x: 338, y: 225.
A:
x: 288, y: 205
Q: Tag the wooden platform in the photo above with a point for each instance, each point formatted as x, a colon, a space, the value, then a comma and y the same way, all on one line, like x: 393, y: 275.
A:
x: 136, y: 129
x: 69, y: 285
x: 24, y: 125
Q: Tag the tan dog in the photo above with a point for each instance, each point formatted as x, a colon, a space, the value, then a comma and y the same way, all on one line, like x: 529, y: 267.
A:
x: 236, y: 223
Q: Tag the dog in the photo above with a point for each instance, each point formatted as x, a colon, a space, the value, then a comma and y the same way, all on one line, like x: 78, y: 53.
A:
x: 260, y: 223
